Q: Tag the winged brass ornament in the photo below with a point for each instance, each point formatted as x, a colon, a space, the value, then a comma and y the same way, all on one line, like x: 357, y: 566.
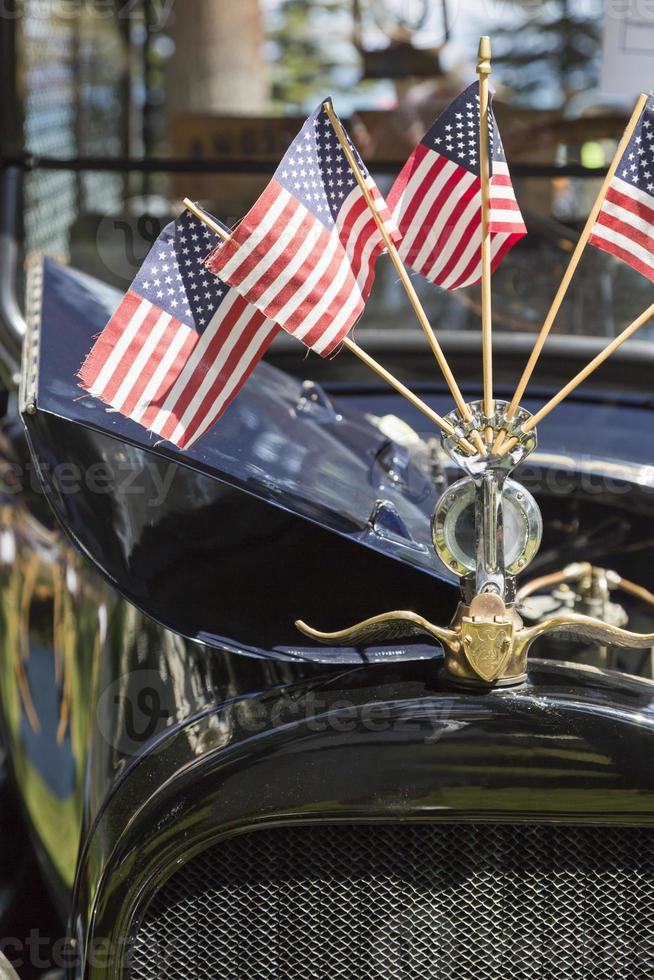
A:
x: 398, y: 625
x: 487, y: 642
x: 477, y: 648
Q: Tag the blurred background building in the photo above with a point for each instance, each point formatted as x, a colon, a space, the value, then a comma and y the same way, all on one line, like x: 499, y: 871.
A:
x: 113, y: 110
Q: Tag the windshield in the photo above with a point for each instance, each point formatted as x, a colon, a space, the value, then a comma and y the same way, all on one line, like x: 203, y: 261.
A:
x: 217, y: 95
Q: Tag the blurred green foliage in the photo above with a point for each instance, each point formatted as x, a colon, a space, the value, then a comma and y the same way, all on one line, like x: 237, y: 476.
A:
x: 312, y: 51
x: 547, y: 53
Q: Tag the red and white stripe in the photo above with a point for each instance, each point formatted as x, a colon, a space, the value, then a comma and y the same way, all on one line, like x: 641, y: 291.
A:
x: 625, y: 226
x: 155, y: 370
x: 311, y: 280
x: 437, y: 206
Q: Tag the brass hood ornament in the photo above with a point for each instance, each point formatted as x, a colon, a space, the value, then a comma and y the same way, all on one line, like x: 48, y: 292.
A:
x: 478, y: 651
x: 486, y: 644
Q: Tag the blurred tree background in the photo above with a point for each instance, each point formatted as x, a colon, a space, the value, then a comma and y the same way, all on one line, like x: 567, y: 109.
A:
x: 281, y: 56
x: 549, y: 52
x: 545, y: 53
x: 219, y: 80
x: 307, y: 45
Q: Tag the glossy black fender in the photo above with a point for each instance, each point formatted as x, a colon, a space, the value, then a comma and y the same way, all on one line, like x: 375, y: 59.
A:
x: 376, y: 743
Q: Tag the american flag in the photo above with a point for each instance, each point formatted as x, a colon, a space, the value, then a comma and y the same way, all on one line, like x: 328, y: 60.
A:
x: 436, y: 199
x: 305, y: 253
x: 181, y: 344
x: 625, y: 224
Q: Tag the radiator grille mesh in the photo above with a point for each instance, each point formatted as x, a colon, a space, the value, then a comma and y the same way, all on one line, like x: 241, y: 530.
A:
x: 412, y: 902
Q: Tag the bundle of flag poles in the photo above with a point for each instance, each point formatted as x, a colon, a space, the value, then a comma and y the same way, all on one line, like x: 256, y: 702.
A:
x: 208, y: 301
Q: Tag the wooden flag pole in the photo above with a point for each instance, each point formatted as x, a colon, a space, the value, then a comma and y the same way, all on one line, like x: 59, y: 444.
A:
x: 484, y: 70
x: 366, y: 359
x: 206, y: 219
x: 570, y: 271
x: 581, y: 377
x: 405, y: 279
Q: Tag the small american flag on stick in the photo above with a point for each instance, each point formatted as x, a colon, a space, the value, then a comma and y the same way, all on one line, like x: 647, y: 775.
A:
x: 305, y: 253
x: 181, y: 344
x: 436, y: 199
x: 625, y: 223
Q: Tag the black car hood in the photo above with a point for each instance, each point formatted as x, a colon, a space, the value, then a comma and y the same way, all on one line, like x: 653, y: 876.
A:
x: 293, y: 506
x: 281, y: 511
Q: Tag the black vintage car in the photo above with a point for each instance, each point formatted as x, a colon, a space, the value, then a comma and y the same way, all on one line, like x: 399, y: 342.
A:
x: 211, y: 792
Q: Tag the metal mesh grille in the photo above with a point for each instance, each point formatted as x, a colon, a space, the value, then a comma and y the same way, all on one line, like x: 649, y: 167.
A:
x: 416, y: 902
